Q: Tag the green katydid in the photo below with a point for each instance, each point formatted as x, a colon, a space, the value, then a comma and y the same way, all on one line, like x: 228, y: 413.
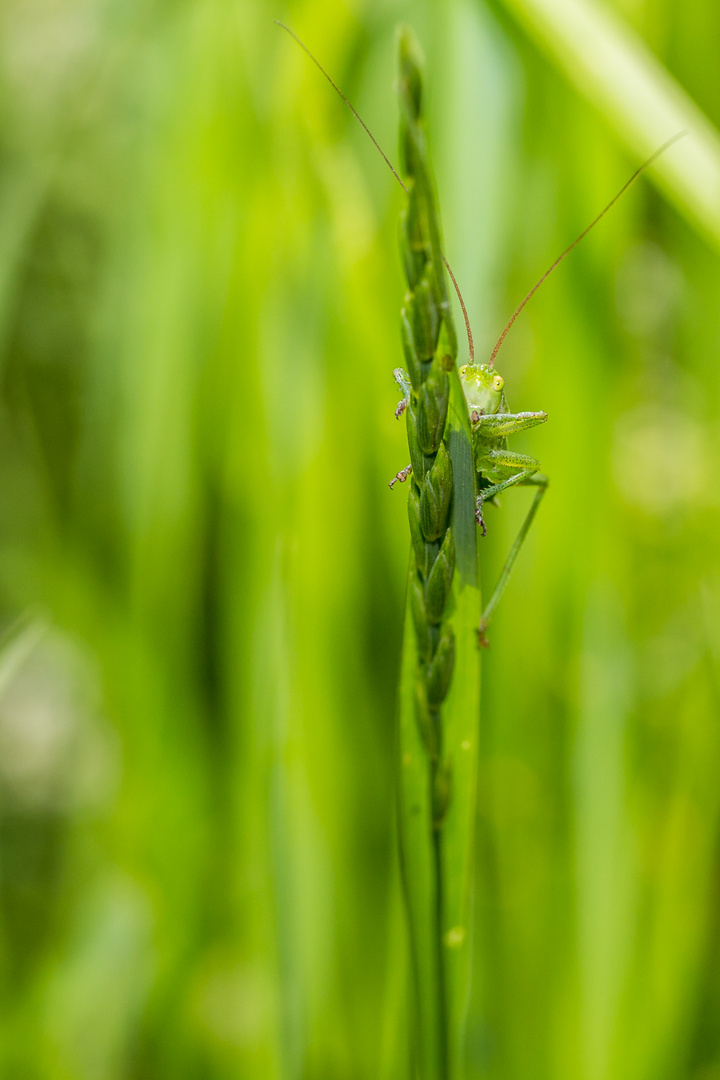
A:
x: 497, y: 467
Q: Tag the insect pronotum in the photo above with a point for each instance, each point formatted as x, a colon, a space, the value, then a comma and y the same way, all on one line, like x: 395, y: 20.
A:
x: 491, y: 422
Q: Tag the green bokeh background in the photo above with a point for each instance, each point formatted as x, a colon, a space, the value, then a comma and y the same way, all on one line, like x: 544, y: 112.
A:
x: 202, y: 568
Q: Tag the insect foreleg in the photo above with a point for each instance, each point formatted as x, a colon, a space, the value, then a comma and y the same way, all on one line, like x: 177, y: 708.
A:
x: 400, y: 477
x: 541, y: 482
x: 402, y: 378
x: 496, y: 425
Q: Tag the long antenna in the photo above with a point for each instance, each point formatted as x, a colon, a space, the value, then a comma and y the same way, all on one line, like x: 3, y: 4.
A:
x: 665, y: 146
x: 391, y: 167
x: 471, y: 343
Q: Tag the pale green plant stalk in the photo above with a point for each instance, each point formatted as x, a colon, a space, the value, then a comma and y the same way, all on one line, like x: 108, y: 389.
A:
x: 440, y: 674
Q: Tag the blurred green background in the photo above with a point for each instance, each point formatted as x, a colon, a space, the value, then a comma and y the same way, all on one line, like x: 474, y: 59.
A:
x: 202, y: 568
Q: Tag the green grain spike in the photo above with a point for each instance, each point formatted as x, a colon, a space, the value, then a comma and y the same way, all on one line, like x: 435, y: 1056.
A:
x: 440, y: 676
x: 435, y: 496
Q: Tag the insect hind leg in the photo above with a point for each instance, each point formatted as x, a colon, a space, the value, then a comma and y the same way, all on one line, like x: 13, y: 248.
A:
x: 489, y: 493
x: 514, y: 468
x: 541, y: 482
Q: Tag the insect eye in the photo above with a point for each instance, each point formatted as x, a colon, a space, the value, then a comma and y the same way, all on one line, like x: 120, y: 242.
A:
x: 498, y: 382
x: 463, y: 369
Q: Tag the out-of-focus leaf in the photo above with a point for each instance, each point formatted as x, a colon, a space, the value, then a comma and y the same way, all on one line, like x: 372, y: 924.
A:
x: 613, y: 67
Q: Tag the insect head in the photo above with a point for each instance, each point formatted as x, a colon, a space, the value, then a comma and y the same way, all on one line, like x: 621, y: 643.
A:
x: 483, y: 388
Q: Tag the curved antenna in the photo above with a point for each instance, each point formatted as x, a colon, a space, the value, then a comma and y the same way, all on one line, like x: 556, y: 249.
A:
x: 390, y: 166
x: 471, y: 343
x: 352, y: 108
x: 665, y: 146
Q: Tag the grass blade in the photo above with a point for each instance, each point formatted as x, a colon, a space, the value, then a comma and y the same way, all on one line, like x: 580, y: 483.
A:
x: 461, y: 715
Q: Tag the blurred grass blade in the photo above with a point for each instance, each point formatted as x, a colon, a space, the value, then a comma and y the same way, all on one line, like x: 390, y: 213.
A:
x: 610, y: 64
